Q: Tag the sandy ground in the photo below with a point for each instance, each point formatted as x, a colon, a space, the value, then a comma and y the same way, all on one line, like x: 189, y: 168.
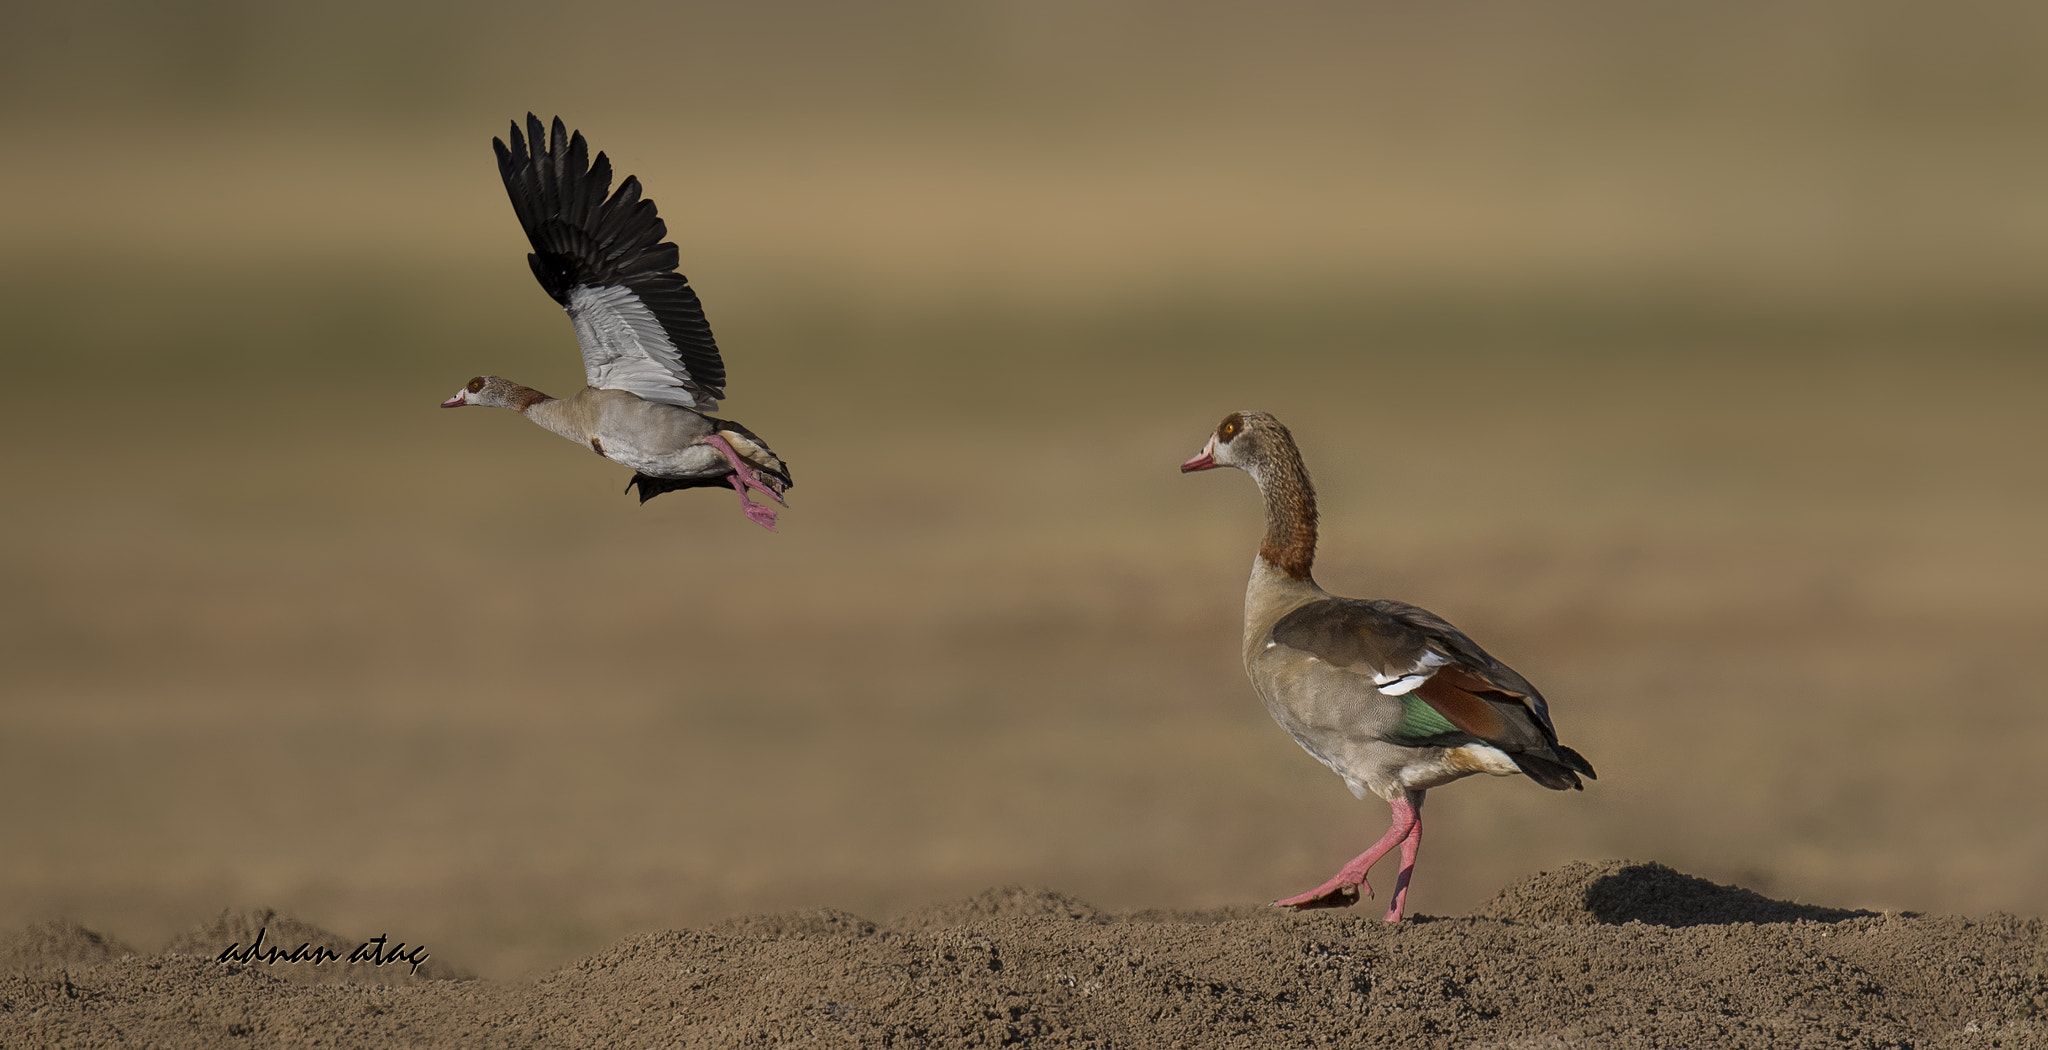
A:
x: 1613, y: 954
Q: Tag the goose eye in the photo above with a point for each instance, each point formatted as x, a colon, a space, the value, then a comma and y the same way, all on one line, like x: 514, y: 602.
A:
x: 476, y: 385
x: 1229, y: 429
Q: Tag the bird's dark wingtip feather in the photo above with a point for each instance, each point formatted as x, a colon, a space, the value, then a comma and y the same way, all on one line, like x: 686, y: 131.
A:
x: 1575, y: 760
x: 1548, y: 770
x: 652, y: 487
x: 647, y: 487
x: 586, y: 233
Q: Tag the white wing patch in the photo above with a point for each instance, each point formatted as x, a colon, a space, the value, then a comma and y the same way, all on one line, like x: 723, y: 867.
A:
x: 1410, y: 680
x: 624, y: 348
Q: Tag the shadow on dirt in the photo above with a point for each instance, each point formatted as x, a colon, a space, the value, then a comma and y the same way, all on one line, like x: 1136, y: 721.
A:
x: 1659, y: 896
x: 1618, y: 891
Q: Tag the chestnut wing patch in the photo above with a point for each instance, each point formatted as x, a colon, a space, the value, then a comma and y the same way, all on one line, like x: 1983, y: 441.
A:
x: 1483, y: 709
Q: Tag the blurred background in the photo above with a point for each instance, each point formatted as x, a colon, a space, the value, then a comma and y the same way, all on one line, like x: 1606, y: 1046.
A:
x: 1688, y: 356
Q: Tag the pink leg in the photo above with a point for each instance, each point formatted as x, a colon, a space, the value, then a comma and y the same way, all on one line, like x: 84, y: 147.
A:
x: 759, y: 514
x: 754, y: 479
x: 1342, y: 890
x: 1409, y: 847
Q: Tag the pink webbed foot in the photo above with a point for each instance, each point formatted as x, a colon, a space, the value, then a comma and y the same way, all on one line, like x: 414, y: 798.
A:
x: 759, y: 513
x: 1343, y: 890
x: 1336, y: 893
x: 748, y: 477
x: 745, y: 477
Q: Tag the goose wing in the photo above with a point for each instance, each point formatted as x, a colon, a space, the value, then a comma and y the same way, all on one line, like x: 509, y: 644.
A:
x: 1465, y: 694
x: 602, y: 256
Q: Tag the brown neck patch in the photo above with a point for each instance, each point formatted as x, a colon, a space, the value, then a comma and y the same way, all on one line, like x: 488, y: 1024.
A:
x: 1290, y: 543
x: 525, y: 397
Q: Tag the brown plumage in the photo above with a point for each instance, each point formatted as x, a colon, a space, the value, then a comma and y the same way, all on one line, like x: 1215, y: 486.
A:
x: 1391, y: 697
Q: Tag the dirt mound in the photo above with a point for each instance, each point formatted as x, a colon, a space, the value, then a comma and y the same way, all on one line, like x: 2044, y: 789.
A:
x: 1618, y: 891
x: 1005, y: 902
x: 300, y: 952
x: 57, y: 945
x: 1575, y: 961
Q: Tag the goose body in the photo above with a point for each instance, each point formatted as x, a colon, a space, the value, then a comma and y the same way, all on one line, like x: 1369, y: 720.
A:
x: 1391, y: 697
x: 653, y: 369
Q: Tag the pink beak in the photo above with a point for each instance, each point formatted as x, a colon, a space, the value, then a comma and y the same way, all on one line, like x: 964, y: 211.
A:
x: 1204, y: 461
x: 454, y: 402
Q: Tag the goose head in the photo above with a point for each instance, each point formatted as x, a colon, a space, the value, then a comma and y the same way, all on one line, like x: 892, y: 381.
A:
x: 488, y: 391
x: 1249, y: 441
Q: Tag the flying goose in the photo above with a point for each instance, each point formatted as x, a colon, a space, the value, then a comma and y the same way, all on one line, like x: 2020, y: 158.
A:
x: 1391, y: 697
x: 652, y: 367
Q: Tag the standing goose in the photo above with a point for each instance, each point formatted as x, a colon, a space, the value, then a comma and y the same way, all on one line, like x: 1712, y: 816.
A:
x: 1391, y: 697
x: 652, y: 367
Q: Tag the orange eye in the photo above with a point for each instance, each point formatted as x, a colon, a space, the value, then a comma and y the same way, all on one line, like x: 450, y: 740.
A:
x: 476, y: 384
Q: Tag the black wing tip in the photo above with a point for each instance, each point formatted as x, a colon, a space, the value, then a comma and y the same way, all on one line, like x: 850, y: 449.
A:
x: 530, y: 144
x: 510, y: 150
x: 584, y: 232
x: 548, y: 138
x: 537, y: 134
x: 651, y: 487
x: 566, y: 203
x: 1559, y: 770
x: 1549, y: 774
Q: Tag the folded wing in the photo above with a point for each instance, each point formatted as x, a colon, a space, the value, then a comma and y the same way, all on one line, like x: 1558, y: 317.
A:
x: 603, y: 257
x: 1414, y: 655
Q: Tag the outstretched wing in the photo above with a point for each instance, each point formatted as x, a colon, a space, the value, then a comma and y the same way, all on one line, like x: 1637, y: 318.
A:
x: 1466, y: 695
x: 603, y: 258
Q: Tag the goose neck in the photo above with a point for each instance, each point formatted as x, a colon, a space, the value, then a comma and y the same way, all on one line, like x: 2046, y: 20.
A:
x: 552, y: 413
x: 1290, y: 543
